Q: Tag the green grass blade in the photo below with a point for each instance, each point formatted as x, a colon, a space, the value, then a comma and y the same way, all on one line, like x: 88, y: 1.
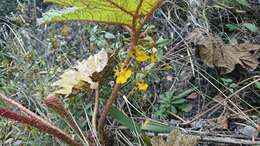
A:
x: 156, y: 126
x: 123, y: 119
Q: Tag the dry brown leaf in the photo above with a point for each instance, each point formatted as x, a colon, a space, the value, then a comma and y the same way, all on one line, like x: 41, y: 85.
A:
x: 175, y: 138
x: 158, y: 141
x: 224, y: 57
x: 222, y: 122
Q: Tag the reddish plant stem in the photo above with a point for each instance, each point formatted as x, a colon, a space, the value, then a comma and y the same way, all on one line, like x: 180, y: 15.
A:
x: 113, y: 96
x: 135, y: 31
x: 39, y: 125
x: 65, y: 137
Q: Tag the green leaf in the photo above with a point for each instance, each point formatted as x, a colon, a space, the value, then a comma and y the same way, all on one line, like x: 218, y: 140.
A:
x: 102, y: 11
x: 179, y: 101
x: 185, y: 107
x: 257, y: 85
x: 233, y: 85
x: 243, y: 2
x: 251, y: 27
x: 232, y: 27
x: 5, y: 61
x: 2, y: 104
x: 109, y: 35
x: 160, y: 112
x: 169, y: 94
x: 173, y: 109
x: 124, y: 119
x: 161, y: 42
x: 156, y: 126
x: 185, y: 93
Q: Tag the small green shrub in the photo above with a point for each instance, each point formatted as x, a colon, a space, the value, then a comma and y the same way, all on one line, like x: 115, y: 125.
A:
x: 170, y: 103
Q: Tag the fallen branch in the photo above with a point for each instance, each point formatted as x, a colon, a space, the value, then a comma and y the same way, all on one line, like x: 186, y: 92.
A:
x: 227, y: 140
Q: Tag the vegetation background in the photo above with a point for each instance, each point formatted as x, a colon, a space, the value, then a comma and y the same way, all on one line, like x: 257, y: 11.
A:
x: 185, y: 91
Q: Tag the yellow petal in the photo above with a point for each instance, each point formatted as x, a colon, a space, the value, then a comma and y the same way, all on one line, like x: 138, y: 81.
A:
x: 141, y: 85
x: 128, y: 73
x: 122, y: 75
x: 141, y: 56
x: 154, y: 57
x: 121, y: 80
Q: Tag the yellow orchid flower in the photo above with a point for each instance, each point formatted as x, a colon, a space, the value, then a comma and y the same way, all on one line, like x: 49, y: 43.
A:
x: 141, y: 55
x: 122, y: 75
x: 154, y: 57
x: 141, y: 85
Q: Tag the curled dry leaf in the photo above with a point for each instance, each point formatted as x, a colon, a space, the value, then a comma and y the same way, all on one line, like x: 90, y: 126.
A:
x: 224, y: 57
x: 81, y: 76
x: 158, y: 141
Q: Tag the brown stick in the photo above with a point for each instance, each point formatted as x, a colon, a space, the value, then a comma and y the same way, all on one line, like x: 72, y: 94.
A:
x: 228, y: 140
x: 45, y: 125
x: 95, y: 110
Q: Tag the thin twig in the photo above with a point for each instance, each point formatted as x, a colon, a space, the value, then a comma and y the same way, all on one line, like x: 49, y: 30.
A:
x: 95, y: 111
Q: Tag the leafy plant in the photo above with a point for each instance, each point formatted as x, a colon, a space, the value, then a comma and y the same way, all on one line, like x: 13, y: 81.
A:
x: 248, y: 26
x: 251, y: 27
x: 229, y: 83
x: 123, y: 119
x: 131, y: 15
x: 170, y: 103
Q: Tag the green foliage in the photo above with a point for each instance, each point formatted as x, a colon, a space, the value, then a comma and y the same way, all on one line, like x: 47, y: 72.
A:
x: 229, y: 83
x: 173, y: 103
x: 120, y: 12
x: 251, y: 27
x: 235, y: 3
x: 123, y: 119
x: 156, y: 126
x: 257, y: 85
x: 102, y: 38
x: 4, y: 61
x: 242, y: 2
x: 232, y: 27
x: 248, y: 26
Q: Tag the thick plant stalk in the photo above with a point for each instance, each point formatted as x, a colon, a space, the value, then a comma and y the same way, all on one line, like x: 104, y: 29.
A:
x: 39, y: 125
x: 135, y: 31
x: 113, y: 96
x: 35, y: 121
